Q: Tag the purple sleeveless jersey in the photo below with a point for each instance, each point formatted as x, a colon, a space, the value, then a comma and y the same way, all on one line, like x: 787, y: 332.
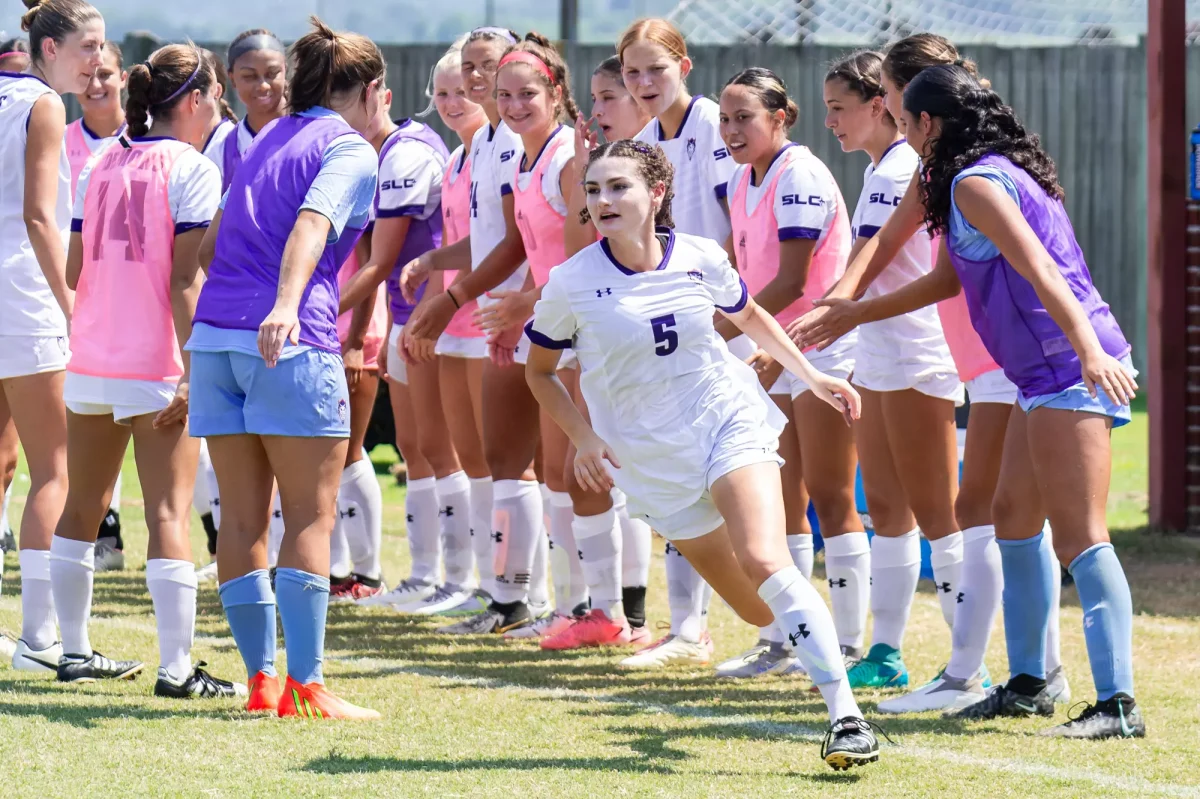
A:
x: 423, y: 234
x: 1016, y: 328
x: 260, y: 212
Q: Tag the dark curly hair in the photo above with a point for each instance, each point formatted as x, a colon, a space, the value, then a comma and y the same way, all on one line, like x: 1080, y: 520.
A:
x: 974, y: 123
x: 653, y: 167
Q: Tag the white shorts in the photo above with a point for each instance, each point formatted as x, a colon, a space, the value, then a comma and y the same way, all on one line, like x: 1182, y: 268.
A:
x: 945, y: 385
x: 21, y: 356
x: 397, y: 369
x: 521, y: 356
x: 836, y: 361
x: 88, y: 395
x: 473, y: 347
x: 994, y: 387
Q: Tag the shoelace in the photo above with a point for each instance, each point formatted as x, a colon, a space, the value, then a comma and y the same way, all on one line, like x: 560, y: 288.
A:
x: 860, y: 725
x: 1089, y: 710
x: 210, y: 686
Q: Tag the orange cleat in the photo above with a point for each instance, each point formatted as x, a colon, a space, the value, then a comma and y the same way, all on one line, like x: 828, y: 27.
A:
x: 264, y: 693
x: 314, y: 701
x: 593, y: 629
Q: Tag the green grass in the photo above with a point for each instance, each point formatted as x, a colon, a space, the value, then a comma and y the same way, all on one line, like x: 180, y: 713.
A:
x: 486, y: 718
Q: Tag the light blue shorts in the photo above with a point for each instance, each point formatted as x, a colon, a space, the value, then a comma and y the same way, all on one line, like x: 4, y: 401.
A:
x: 304, y: 396
x: 1077, y: 398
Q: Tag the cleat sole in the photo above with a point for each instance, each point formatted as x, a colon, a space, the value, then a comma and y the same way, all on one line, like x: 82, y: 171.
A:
x: 844, y: 761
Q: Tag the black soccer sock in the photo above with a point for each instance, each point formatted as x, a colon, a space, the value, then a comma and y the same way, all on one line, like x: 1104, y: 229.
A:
x: 633, y: 598
x: 210, y: 530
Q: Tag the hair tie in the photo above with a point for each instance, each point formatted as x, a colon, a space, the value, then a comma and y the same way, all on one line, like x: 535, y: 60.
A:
x: 186, y: 83
x: 958, y: 62
x: 259, y: 41
x: 495, y: 31
x: 523, y: 57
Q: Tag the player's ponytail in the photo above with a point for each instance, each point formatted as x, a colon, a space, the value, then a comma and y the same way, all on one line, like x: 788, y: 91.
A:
x: 160, y: 82
x: 862, y: 72
x: 770, y: 90
x: 331, y: 64
x: 653, y: 167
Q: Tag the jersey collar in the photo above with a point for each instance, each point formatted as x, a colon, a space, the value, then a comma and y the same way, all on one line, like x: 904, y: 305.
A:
x: 667, y: 249
x: 682, y: 123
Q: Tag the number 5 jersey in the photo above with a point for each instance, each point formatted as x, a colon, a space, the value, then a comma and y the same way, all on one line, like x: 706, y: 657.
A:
x: 660, y: 384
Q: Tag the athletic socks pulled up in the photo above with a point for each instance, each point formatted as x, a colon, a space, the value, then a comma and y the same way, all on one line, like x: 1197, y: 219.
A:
x: 801, y: 549
x: 1053, y: 641
x: 599, y: 541
x: 635, y: 545
x: 339, y: 548
x: 516, y: 527
x: 250, y: 608
x: 570, y: 588
x: 946, y: 557
x: 686, y: 596
x: 539, y: 575
x: 848, y: 567
x: 172, y: 585
x: 275, y: 531
x: 303, y: 600
x: 1107, y: 619
x: 72, y: 569
x: 39, y: 620
x: 978, y: 601
x: 802, y: 615
x: 481, y: 530
x: 360, y: 516
x: 424, y: 529
x: 454, y: 510
x: 1030, y: 570
x: 895, y: 569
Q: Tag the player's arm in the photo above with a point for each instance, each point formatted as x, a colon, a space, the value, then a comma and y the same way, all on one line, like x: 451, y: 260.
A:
x: 46, y: 127
x: 208, y: 247
x: 504, y: 259
x: 386, y: 241
x: 881, y: 247
x: 795, y: 258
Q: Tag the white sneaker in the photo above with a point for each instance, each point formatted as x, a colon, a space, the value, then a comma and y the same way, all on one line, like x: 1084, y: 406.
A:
x: 108, y: 557
x: 1058, y: 687
x: 207, y: 573
x: 943, y: 693
x: 763, y: 659
x: 406, y: 593
x: 671, y: 651
x: 441, y: 600
x: 542, y: 628
x: 26, y: 658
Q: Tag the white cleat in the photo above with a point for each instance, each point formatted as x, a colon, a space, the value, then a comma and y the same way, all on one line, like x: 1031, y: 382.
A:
x: 26, y: 658
x: 761, y: 660
x: 943, y: 693
x: 108, y: 557
x: 673, y: 650
x: 544, y: 627
x: 207, y: 573
x: 443, y: 599
x: 404, y: 598
x: 1058, y: 687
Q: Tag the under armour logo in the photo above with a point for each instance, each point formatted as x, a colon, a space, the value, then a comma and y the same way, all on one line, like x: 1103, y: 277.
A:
x: 960, y: 597
x: 1088, y: 621
x: 472, y: 532
x: 278, y: 514
x: 671, y: 550
x: 802, y: 632
x: 409, y: 518
x: 498, y: 536
x: 581, y: 554
x: 943, y: 587
x: 603, y: 292
x: 838, y: 583
x: 215, y: 502
x: 348, y: 513
x: 447, y: 511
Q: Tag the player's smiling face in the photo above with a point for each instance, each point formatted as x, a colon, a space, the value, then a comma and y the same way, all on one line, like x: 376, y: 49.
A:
x: 525, y: 102
x: 653, y: 75
x: 749, y: 129
x: 618, y: 199
x: 848, y: 116
x: 103, y: 94
x: 479, y: 61
x: 260, y: 80
x: 460, y: 114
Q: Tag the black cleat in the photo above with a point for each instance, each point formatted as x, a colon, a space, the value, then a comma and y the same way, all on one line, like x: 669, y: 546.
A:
x: 198, y: 685
x: 1118, y: 717
x: 496, y: 620
x: 850, y: 742
x: 1002, y: 701
x: 89, y: 668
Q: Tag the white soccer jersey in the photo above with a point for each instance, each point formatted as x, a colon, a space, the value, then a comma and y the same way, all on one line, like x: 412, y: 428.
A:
x: 214, y: 148
x: 27, y: 305
x: 703, y: 168
x: 494, y: 151
x: 914, y: 340
x: 410, y: 179
x: 659, y: 382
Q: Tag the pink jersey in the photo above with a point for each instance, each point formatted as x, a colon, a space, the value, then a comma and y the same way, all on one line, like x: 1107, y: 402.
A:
x: 758, y: 246
x: 970, y: 356
x: 456, y: 214
x: 123, y: 326
x: 79, y: 153
x: 543, y: 229
x: 376, y: 329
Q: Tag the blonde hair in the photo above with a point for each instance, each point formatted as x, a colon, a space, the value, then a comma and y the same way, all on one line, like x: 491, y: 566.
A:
x: 660, y: 31
x: 451, y: 61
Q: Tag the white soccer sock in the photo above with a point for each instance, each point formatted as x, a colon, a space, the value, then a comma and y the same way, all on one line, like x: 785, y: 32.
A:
x: 539, y: 575
x: 115, y: 502
x: 454, y: 499
x: 481, y: 530
x: 517, y: 524
x: 982, y: 585
x: 848, y: 567
x: 72, y: 568
x: 801, y: 547
x: 360, y: 509
x: 214, y: 494
x: 686, y: 596
x: 564, y: 553
x: 339, y: 547
x: 4, y: 525
x: 946, y: 557
x: 275, y: 531
x: 599, y: 540
x: 201, y: 500
x: 172, y: 585
x: 772, y: 633
x: 635, y: 544
x: 424, y: 530
x: 801, y: 613
x: 895, y: 569
x: 1053, y: 642
x: 38, y: 617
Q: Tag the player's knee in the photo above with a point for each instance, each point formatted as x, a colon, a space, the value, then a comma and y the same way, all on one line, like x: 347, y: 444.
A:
x: 971, y: 509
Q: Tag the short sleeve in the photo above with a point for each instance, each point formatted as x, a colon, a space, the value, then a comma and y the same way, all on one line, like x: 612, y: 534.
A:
x: 967, y: 241
x: 344, y: 189
x: 724, y: 284
x: 720, y: 166
x: 805, y: 205
x: 879, y: 198
x: 194, y: 191
x: 409, y: 177
x: 80, y: 201
x: 554, y: 324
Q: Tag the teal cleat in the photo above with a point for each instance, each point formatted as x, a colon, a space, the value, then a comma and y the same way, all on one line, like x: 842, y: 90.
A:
x: 881, y: 668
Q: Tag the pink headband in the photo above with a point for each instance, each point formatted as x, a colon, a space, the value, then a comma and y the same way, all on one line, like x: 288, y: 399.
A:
x: 527, y: 58
x: 12, y: 53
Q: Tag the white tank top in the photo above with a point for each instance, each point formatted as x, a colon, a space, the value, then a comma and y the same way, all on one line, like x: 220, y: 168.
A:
x: 27, y: 306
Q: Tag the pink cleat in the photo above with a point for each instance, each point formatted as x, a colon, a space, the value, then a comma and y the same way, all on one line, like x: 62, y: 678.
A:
x: 593, y: 629
x: 640, y: 636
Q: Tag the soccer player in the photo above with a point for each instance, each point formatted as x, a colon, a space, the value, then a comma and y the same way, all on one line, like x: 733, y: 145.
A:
x: 614, y: 110
x: 66, y: 41
x: 258, y: 66
x: 134, y: 244
x: 269, y: 385
x: 683, y: 424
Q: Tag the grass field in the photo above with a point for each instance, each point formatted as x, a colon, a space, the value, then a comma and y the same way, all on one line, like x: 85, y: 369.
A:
x: 488, y: 718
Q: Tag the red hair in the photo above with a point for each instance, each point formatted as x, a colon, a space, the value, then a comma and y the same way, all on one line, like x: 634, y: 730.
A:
x: 659, y: 31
